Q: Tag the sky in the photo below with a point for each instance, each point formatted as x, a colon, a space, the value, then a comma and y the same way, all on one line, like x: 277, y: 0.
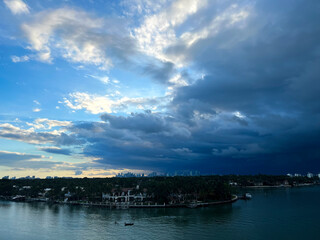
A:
x: 93, y: 88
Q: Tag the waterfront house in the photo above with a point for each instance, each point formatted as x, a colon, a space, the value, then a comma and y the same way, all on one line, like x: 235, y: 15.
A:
x: 310, y: 175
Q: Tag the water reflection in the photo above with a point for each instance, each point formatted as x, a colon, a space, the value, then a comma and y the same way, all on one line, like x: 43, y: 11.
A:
x: 276, y: 211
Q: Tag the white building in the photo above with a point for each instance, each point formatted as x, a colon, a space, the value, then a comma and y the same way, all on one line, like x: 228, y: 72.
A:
x: 310, y: 175
x: 67, y: 195
x: 124, y: 197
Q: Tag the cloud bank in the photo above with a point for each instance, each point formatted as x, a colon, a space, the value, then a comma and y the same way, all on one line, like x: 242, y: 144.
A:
x: 17, y: 6
x: 241, y: 86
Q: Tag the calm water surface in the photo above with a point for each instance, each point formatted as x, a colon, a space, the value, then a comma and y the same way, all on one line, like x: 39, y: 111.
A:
x: 271, y: 214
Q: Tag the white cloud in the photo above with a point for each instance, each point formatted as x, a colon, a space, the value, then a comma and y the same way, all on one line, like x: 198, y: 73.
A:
x: 36, y: 102
x: 142, y: 7
x: 93, y: 104
x: 178, y: 81
x: 36, y: 110
x: 239, y: 114
x: 51, y: 147
x: 17, y: 59
x: 164, y: 36
x: 158, y: 30
x: 37, y: 132
x: 44, y: 123
x: 74, y: 35
x: 17, y: 6
x: 10, y: 131
x: 105, y: 104
x: 226, y: 19
x: 103, y: 79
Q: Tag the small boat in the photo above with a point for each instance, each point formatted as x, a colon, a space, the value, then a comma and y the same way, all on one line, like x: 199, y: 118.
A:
x: 192, y: 205
x: 247, y: 196
x: 128, y: 224
x: 19, y: 198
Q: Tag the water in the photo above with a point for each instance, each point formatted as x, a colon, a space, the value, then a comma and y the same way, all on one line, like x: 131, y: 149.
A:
x: 271, y: 214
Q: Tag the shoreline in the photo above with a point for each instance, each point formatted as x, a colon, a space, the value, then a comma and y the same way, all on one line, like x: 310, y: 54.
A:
x: 282, y: 186
x: 127, y: 206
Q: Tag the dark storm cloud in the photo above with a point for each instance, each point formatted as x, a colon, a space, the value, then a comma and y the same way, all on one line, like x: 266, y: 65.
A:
x: 22, y: 161
x: 174, y: 145
x: 148, y: 123
x: 77, y: 172
x: 9, y: 157
x: 268, y: 71
x: 159, y: 71
x: 272, y: 78
x: 56, y: 150
x: 272, y: 69
x: 212, y: 144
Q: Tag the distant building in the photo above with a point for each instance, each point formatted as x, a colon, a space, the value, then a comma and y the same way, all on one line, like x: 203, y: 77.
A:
x: 68, y: 194
x: 184, y: 173
x: 310, y: 175
x: 126, y: 175
x: 5, y: 177
x: 153, y: 174
x: 123, y: 196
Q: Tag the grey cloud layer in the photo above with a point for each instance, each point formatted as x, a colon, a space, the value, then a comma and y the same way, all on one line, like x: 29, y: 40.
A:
x: 24, y: 161
x: 257, y: 109
x: 56, y: 150
x: 12, y: 132
x: 267, y: 70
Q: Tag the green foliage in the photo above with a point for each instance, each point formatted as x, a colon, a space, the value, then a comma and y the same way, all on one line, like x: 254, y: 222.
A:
x: 158, y: 189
